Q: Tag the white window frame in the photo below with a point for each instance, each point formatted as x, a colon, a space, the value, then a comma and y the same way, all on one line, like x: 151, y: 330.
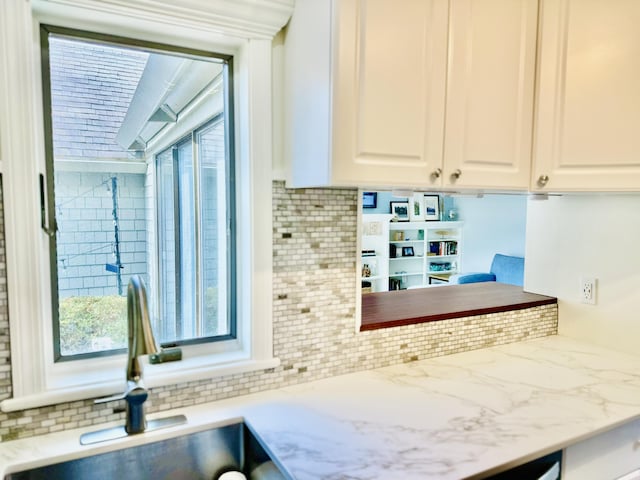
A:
x: 37, y: 380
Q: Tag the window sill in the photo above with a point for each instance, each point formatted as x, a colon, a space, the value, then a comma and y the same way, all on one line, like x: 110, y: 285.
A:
x: 194, y: 369
x: 155, y: 376
x: 408, y: 307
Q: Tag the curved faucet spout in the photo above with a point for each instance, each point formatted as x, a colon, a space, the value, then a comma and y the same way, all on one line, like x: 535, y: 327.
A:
x: 141, y: 340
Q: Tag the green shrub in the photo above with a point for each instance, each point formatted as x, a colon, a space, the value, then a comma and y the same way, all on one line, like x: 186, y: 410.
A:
x: 88, y: 323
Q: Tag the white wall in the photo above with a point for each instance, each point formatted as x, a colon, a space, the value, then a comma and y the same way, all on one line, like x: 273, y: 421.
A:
x: 492, y: 224
x: 594, y: 235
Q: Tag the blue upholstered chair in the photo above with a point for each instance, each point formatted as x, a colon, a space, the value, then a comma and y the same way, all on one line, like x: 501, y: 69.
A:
x: 504, y: 269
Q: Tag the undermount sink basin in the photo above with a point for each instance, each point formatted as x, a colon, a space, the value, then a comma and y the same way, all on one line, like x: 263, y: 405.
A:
x: 201, y: 455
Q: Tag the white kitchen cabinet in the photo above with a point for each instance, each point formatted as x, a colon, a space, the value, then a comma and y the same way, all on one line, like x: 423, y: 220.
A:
x: 368, y: 102
x: 364, y: 91
x: 609, y: 455
x: 588, y: 116
x: 490, y: 93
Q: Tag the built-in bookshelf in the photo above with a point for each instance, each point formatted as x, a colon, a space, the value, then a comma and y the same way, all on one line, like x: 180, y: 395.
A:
x: 418, y: 250
x: 401, y: 255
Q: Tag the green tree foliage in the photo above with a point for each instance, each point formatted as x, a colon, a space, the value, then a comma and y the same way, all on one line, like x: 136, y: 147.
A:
x: 88, y: 324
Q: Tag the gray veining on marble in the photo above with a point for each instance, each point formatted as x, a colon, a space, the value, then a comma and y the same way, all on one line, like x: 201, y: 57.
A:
x: 452, y: 417
x: 455, y: 416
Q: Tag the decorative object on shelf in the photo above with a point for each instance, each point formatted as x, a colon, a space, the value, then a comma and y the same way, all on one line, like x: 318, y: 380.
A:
x: 372, y: 228
x: 366, y: 271
x: 439, y: 266
x: 397, y: 236
x: 369, y: 199
x: 395, y: 284
x: 407, y: 251
x: 400, y: 211
x: 431, y: 208
x: 366, y: 287
x: 416, y: 208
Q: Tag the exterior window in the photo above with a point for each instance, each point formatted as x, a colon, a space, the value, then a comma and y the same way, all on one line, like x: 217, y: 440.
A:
x: 193, y: 205
x: 168, y: 94
x: 139, y: 174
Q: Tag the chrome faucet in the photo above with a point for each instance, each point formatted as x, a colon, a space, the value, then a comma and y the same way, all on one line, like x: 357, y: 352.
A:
x: 141, y: 342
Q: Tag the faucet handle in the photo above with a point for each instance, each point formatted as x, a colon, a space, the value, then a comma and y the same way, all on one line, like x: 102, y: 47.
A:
x: 135, y: 389
x: 112, y: 398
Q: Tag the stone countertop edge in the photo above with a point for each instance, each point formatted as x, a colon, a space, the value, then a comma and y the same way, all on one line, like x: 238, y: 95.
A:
x: 466, y: 415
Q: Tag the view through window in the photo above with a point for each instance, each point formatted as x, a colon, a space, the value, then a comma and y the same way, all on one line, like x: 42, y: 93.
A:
x: 140, y: 174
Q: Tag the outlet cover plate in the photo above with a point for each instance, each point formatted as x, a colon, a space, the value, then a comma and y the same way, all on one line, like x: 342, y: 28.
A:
x: 588, y: 290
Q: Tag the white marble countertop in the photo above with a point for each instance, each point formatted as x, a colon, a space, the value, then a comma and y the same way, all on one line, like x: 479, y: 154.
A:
x: 451, y: 417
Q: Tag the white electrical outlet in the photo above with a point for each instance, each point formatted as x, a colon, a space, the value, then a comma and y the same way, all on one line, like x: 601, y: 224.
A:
x: 588, y: 290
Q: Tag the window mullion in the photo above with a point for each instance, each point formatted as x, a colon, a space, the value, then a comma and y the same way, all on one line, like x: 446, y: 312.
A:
x: 177, y: 241
x: 197, y: 240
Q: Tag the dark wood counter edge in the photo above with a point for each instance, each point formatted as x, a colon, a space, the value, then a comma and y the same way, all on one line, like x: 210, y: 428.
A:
x: 467, y: 308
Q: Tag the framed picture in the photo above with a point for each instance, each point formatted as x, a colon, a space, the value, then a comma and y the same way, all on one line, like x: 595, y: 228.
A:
x: 400, y: 210
x: 432, y: 208
x: 416, y: 208
x: 407, y: 251
x: 369, y: 199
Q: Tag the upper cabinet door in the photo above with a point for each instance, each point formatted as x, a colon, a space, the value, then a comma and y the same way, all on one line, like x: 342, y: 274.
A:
x: 490, y: 93
x: 588, y: 120
x: 388, y: 92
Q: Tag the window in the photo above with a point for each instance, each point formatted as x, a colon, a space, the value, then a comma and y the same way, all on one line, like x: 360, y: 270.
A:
x: 112, y: 106
x: 36, y: 379
x: 196, y: 270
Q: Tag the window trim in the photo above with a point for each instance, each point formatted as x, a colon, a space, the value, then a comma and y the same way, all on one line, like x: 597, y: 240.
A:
x: 22, y: 157
x: 194, y: 119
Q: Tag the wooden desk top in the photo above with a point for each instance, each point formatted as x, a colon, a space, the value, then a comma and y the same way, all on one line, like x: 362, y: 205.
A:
x: 406, y: 307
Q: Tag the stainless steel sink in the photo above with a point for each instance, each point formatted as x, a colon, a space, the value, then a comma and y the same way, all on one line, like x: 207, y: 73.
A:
x: 201, y: 455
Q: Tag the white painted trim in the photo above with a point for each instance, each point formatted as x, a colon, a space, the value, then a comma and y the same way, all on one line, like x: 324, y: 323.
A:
x: 258, y: 159
x: 21, y: 134
x: 280, y: 167
x: 22, y: 149
x: 240, y: 18
x: 161, y: 75
x: 194, y: 371
x: 96, y: 390
x: 199, y: 111
x: 358, y: 274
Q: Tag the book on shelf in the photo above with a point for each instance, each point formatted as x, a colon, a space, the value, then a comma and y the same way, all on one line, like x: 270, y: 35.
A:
x: 443, y: 247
